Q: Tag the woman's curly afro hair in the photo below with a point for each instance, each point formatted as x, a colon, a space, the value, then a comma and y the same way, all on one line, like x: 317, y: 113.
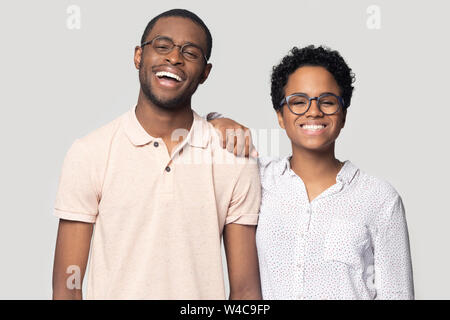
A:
x: 312, y: 56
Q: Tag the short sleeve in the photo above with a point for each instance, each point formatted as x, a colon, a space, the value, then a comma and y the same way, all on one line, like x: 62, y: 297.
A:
x: 393, y: 269
x: 246, y: 197
x: 77, y: 197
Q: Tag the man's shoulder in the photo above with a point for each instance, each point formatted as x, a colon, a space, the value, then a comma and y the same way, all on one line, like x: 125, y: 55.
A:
x: 93, y: 148
x: 102, y: 136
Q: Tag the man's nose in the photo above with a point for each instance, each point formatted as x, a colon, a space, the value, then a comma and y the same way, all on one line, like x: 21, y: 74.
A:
x: 175, y: 57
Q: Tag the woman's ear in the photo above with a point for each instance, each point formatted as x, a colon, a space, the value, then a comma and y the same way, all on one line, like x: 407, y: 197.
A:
x: 280, y: 118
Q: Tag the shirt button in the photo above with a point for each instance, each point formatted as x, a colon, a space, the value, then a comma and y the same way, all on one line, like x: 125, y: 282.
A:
x: 168, y: 169
x: 156, y: 144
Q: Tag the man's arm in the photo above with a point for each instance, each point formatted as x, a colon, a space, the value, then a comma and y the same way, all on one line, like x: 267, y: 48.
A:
x: 235, y: 137
x: 71, y: 256
x: 242, y: 260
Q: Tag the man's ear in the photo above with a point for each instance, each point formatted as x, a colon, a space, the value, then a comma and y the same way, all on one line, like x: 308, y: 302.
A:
x: 280, y: 117
x: 137, y: 56
x: 206, y: 72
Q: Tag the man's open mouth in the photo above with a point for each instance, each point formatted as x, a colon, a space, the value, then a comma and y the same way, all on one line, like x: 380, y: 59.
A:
x: 168, y: 75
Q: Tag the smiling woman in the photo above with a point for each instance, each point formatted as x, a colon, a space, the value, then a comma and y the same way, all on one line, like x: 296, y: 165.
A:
x: 327, y: 230
x: 312, y: 123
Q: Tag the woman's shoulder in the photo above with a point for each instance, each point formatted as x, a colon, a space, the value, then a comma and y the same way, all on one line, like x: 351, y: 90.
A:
x: 376, y: 185
x: 269, y: 165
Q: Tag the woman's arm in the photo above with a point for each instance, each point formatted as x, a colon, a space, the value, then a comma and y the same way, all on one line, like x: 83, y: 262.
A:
x: 393, y: 268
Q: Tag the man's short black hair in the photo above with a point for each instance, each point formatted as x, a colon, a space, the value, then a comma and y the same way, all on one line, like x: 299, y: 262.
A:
x: 312, y: 56
x: 183, y: 14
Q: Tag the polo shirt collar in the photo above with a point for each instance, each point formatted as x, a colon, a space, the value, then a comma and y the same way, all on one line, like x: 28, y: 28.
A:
x: 198, y: 136
x: 135, y: 132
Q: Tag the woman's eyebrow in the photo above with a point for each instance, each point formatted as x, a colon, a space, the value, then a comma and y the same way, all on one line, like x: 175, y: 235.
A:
x: 328, y: 93
x: 322, y: 93
x: 298, y: 93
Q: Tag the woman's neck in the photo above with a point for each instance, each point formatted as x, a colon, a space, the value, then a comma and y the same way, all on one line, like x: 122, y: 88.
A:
x: 313, y: 166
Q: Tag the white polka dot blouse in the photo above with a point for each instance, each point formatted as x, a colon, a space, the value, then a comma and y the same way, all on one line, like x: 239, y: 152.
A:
x: 350, y: 242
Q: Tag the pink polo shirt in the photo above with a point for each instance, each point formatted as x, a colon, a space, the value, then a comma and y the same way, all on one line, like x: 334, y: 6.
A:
x: 158, y: 218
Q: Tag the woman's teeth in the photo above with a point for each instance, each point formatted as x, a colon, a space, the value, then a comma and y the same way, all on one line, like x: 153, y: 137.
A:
x: 161, y: 74
x: 313, y: 127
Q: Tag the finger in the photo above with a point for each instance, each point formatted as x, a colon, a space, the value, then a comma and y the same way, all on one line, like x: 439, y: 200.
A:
x: 248, y: 142
x: 230, y: 143
x: 254, y: 153
x: 222, y: 137
x: 247, y: 146
x: 240, y: 142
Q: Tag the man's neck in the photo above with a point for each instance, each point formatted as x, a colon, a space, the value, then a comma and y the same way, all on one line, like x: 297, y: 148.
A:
x: 159, y: 122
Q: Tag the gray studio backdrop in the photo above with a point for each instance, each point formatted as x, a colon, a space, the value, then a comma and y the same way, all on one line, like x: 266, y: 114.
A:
x: 67, y: 68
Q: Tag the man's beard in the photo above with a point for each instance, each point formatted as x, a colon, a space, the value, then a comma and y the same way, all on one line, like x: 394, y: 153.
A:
x: 174, y: 103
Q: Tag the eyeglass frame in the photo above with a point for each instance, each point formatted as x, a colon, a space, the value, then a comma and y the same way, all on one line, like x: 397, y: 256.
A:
x: 143, y: 44
x: 286, y: 101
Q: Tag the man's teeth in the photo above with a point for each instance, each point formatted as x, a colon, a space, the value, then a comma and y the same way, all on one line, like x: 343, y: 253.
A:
x: 313, y: 126
x: 161, y: 74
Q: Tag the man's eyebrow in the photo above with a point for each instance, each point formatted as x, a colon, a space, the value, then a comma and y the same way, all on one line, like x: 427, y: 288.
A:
x: 161, y: 36
x: 187, y: 42
x: 193, y: 44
